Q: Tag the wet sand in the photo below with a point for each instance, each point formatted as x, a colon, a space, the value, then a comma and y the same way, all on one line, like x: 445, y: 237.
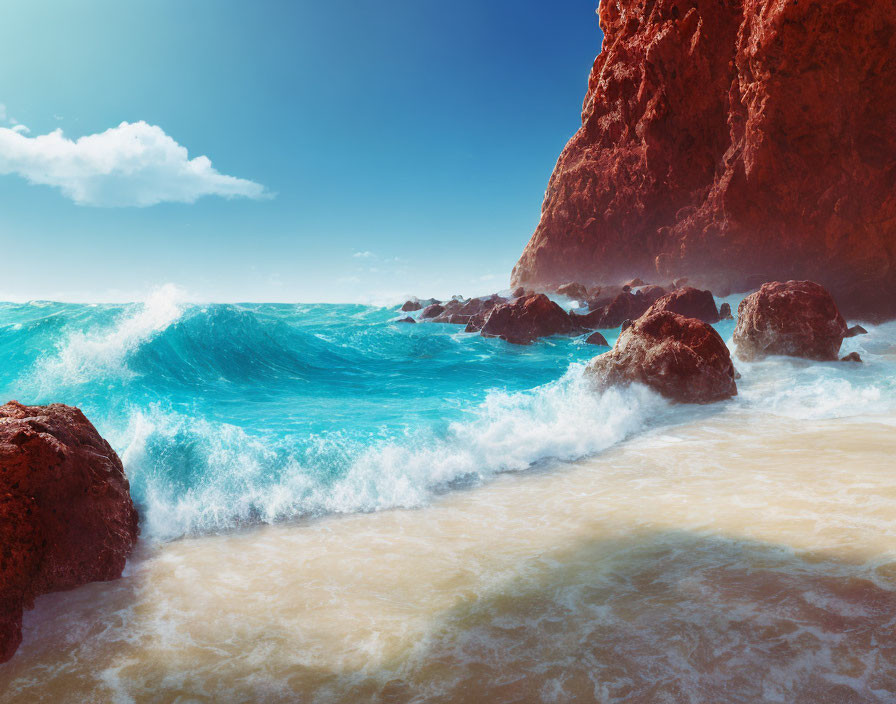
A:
x: 741, y: 558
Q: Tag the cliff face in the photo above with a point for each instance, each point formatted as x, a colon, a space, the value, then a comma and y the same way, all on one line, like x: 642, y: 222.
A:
x: 732, y: 142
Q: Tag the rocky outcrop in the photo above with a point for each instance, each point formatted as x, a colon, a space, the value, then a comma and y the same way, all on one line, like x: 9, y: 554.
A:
x: 625, y: 306
x: 526, y: 319
x: 797, y: 318
x: 689, y: 302
x: 732, y: 142
x: 683, y: 359
x: 66, y: 515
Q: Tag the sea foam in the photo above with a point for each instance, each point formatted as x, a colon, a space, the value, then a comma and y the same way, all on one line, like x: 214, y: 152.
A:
x: 193, y: 476
x: 83, y: 357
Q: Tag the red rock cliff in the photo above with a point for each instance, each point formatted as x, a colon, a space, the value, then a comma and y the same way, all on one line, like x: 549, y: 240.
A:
x: 732, y: 142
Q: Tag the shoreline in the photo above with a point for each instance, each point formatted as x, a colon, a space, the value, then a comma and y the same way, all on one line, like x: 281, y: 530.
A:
x: 340, y: 607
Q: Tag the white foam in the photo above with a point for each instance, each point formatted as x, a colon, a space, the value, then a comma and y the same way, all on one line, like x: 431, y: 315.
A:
x: 808, y: 390
x: 85, y: 356
x: 234, y: 477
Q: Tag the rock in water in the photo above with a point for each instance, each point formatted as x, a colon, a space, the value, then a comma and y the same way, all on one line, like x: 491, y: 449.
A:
x: 625, y: 306
x: 725, y: 312
x: 596, y: 338
x: 66, y: 515
x: 723, y: 140
x: 684, y: 359
x: 432, y: 311
x: 412, y: 305
x: 573, y: 290
x: 689, y: 302
x: 797, y: 318
x: 524, y: 320
x: 856, y: 330
x: 852, y: 357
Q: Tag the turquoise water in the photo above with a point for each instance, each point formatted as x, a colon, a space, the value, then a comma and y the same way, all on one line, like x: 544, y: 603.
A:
x: 228, y: 414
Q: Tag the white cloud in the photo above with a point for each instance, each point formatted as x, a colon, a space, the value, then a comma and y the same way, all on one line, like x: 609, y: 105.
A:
x: 364, y: 255
x: 134, y: 164
x: 21, y: 129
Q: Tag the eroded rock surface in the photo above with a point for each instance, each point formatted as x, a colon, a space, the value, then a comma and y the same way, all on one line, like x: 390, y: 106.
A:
x: 684, y: 359
x: 66, y: 515
x: 732, y: 142
x: 796, y: 318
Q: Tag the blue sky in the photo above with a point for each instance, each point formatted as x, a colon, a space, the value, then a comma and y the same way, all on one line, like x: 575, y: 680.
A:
x: 359, y: 150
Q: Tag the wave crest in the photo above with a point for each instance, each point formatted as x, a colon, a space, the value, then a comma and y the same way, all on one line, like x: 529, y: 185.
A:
x: 192, y: 476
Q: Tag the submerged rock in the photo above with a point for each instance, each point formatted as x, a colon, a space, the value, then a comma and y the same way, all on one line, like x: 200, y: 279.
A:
x: 720, y: 140
x: 526, y: 319
x: 66, y: 515
x: 796, y: 318
x: 683, y: 359
x: 689, y: 302
x: 409, y: 320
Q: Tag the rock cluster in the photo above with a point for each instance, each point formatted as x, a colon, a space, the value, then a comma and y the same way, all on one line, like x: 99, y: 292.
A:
x: 526, y: 319
x: 519, y: 319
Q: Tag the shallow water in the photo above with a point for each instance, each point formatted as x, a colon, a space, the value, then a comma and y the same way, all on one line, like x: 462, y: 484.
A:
x: 439, y: 539
x: 736, y: 559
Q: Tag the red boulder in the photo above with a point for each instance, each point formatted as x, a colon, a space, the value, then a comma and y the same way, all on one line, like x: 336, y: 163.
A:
x: 689, y: 302
x: 524, y: 320
x: 652, y: 293
x: 66, y: 515
x: 432, y: 311
x: 797, y: 318
x: 683, y: 359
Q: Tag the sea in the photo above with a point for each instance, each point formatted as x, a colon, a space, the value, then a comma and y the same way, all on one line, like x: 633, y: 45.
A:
x: 337, y: 507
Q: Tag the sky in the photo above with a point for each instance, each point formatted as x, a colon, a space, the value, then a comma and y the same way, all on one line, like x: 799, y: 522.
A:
x: 346, y: 150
